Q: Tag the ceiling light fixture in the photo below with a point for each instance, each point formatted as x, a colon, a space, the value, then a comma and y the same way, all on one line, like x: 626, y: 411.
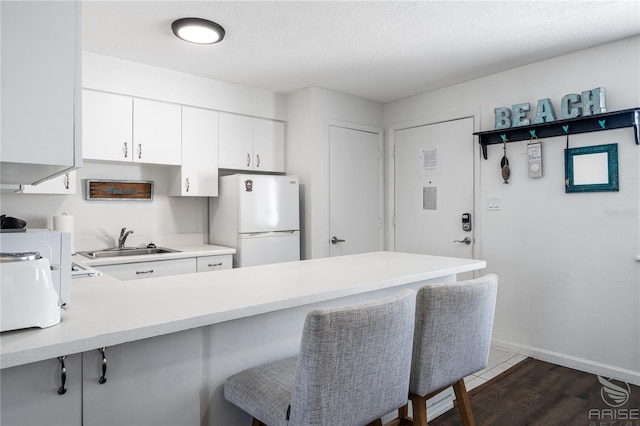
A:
x: 197, y: 30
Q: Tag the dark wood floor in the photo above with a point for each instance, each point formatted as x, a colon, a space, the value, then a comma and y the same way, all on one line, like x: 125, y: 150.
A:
x: 538, y: 393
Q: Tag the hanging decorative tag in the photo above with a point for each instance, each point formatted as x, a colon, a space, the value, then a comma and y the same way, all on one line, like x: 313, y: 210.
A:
x: 534, y: 151
x: 504, y: 163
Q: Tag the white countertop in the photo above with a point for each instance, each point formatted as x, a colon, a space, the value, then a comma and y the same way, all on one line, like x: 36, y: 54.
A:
x: 105, y: 311
x: 184, y: 251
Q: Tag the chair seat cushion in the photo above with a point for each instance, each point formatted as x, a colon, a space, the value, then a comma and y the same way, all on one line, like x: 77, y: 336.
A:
x: 265, y: 391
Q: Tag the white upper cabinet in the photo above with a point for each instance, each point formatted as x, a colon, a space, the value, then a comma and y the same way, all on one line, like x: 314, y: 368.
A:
x: 107, y: 128
x: 40, y: 86
x: 268, y: 145
x: 156, y: 132
x: 122, y: 128
x: 64, y: 184
x: 248, y: 143
x: 198, y: 176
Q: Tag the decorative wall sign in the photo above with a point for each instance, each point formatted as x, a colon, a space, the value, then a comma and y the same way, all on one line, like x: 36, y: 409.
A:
x: 139, y: 190
x: 591, y: 168
x: 589, y: 102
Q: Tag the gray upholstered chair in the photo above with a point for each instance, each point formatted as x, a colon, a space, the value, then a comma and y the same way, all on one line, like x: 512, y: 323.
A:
x: 451, y: 341
x: 353, y: 368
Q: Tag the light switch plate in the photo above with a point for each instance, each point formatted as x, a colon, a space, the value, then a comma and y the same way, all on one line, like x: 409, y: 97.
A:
x: 494, y: 204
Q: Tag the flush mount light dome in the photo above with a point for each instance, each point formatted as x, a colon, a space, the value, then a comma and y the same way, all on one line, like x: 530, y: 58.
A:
x: 197, y: 30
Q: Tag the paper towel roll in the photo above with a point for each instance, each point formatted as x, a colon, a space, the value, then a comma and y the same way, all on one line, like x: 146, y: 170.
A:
x: 64, y: 223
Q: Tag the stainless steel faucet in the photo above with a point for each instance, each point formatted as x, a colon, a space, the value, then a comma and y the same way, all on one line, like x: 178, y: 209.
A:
x: 123, y: 237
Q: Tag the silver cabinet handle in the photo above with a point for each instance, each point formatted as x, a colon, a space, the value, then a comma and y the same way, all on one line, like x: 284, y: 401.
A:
x: 139, y: 151
x: 466, y: 241
x: 125, y: 150
x: 214, y: 265
x: 186, y: 184
x: 63, y: 376
x: 248, y: 160
x: 149, y: 271
x: 67, y: 180
x: 257, y: 160
x: 103, y: 379
x: 336, y: 240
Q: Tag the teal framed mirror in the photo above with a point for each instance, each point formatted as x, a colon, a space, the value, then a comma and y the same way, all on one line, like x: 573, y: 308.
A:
x: 591, y: 168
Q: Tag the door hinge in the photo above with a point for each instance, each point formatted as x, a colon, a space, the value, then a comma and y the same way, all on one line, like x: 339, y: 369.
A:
x: 393, y: 221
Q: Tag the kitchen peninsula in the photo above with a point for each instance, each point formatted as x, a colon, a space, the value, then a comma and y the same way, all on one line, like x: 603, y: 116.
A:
x: 170, y: 342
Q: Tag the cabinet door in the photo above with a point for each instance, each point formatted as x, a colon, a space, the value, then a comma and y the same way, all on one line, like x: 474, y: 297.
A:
x: 141, y: 270
x: 153, y: 381
x: 63, y: 184
x: 198, y: 175
x: 40, y: 83
x: 107, y: 126
x: 156, y: 132
x: 214, y: 263
x: 236, y: 142
x: 268, y: 145
x: 30, y: 393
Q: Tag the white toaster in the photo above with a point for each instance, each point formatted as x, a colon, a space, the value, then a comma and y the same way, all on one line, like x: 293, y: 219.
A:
x: 28, y: 297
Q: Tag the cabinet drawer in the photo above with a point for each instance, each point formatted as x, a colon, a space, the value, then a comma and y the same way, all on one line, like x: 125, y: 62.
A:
x: 214, y: 263
x: 140, y: 270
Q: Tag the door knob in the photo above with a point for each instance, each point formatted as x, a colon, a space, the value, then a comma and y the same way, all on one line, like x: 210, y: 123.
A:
x: 336, y: 240
x: 466, y: 240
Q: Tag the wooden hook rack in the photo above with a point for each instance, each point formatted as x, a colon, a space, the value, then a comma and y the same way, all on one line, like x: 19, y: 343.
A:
x: 572, y: 126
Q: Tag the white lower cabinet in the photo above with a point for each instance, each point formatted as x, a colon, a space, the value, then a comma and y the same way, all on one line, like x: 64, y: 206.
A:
x: 30, y: 393
x: 154, y: 381
x: 141, y: 270
x: 214, y: 263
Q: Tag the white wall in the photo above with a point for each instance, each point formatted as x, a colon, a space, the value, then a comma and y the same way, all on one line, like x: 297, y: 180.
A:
x: 568, y: 266
x: 164, y: 215
x: 103, y: 219
x: 309, y: 111
x: 131, y: 78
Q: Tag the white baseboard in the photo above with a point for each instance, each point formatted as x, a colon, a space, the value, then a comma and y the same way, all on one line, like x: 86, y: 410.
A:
x: 609, y: 371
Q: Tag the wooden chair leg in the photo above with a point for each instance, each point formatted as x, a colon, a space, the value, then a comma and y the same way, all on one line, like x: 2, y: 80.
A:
x: 256, y: 422
x: 403, y: 416
x: 462, y: 399
x: 419, y: 405
x: 376, y: 423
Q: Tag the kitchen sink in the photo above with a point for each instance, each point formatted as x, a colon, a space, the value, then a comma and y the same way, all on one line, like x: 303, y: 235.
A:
x: 133, y: 251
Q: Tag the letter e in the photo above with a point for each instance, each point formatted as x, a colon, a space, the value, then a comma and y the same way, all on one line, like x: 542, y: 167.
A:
x: 519, y: 114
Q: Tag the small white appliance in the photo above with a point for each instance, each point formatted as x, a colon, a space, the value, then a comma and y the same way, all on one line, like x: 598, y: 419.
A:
x: 28, y: 297
x: 55, y: 246
x: 259, y: 216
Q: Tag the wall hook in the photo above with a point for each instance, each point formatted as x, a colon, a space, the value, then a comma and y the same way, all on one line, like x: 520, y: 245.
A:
x: 533, y: 133
x: 504, y: 137
x: 566, y: 129
x: 602, y: 123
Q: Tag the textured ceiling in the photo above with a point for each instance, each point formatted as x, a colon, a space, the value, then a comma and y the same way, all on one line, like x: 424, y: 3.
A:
x: 383, y: 50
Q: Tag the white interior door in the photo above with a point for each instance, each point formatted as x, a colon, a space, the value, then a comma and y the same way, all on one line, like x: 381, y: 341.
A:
x: 355, y: 200
x: 433, y: 186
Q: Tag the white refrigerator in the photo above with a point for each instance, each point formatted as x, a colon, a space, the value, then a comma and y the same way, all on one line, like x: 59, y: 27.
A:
x: 258, y: 215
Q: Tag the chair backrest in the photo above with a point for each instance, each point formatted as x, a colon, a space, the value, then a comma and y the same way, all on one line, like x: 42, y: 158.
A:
x: 354, y: 363
x: 453, y: 330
